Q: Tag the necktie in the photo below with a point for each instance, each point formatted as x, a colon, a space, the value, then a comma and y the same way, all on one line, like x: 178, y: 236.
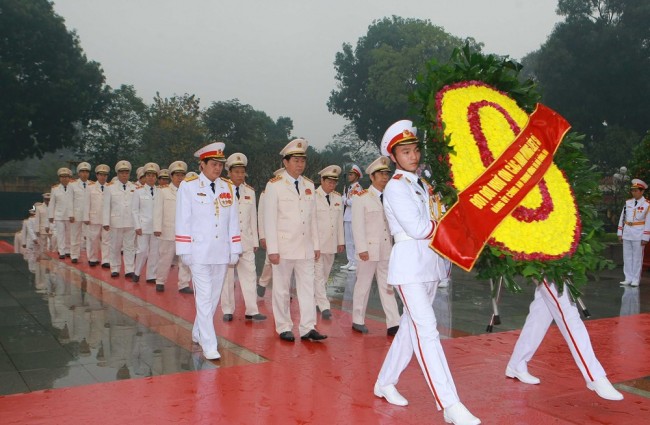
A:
x: 297, y: 190
x: 84, y: 185
x: 102, y: 188
x: 124, y: 187
x: 151, y: 191
x: 420, y: 183
x: 212, y: 186
x: 65, y: 188
x: 381, y: 198
x: 328, y: 199
x: 635, y: 202
x: 237, y: 192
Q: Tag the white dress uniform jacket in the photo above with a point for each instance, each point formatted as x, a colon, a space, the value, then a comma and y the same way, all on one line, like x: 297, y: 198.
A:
x: 330, y: 221
x: 142, y: 203
x: 117, y: 205
x: 80, y: 192
x: 98, y: 242
x: 634, y: 223
x: 61, y: 199
x: 348, y: 196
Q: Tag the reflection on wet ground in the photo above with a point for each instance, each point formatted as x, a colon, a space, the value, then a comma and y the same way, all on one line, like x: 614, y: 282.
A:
x: 60, y: 327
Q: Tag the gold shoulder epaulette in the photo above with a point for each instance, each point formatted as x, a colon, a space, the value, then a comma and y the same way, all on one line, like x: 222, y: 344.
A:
x: 139, y: 187
x: 109, y: 184
x: 90, y: 182
x: 55, y: 185
x: 397, y: 176
x: 336, y: 193
x: 227, y: 180
x: 308, y: 179
x: 249, y: 186
x: 275, y: 179
x: 361, y: 192
x: 189, y: 179
x: 162, y: 186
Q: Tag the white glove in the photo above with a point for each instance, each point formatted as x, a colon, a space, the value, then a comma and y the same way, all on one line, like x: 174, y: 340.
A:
x: 234, y: 258
x: 186, y: 259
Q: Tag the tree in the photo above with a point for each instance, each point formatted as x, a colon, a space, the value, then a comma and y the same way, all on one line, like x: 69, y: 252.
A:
x: 49, y: 88
x: 174, y: 131
x: 593, y: 69
x: 117, y: 133
x: 245, y: 129
x: 376, y: 78
x: 640, y: 164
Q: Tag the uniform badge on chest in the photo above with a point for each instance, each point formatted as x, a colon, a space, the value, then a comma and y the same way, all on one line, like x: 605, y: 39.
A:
x: 225, y: 199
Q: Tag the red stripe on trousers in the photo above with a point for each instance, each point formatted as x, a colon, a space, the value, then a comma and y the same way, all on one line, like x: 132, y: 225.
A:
x: 426, y: 369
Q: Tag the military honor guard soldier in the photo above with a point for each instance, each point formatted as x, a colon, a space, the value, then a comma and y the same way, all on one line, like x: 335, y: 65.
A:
x: 42, y: 226
x: 164, y: 227
x: 236, y: 166
x: 139, y: 175
x: 373, y: 243
x: 267, y: 271
x: 60, y: 211
x: 350, y: 190
x: 164, y: 177
x: 80, y: 189
x: 207, y: 239
x: 413, y: 271
x: 142, y: 209
x: 634, y: 232
x: 292, y: 242
x: 329, y: 215
x: 118, y: 219
x: 97, y: 238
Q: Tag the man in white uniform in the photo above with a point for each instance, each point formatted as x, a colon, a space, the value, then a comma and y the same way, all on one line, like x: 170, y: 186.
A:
x: 329, y: 214
x: 42, y: 226
x: 292, y: 242
x: 207, y: 239
x: 118, y: 219
x: 164, y: 227
x: 373, y: 243
x: 60, y: 211
x: 634, y: 232
x: 80, y: 190
x: 97, y: 239
x: 350, y: 190
x: 142, y: 209
x: 413, y: 271
x: 236, y: 166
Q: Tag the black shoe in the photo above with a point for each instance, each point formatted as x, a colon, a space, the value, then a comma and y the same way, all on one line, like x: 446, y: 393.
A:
x: 360, y: 328
x: 67, y: 255
x: 160, y: 288
x: 93, y: 263
x: 129, y: 275
x: 134, y: 277
x: 151, y: 280
x: 115, y: 274
x: 392, y: 331
x: 261, y: 290
x: 326, y: 314
x: 75, y: 261
x: 287, y: 336
x: 227, y: 317
x: 314, y: 335
x: 186, y: 290
x: 257, y: 316
x: 61, y: 257
x: 106, y: 266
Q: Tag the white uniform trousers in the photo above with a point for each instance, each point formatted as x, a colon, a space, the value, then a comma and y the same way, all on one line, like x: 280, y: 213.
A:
x: 322, y: 269
x: 98, y: 243
x: 267, y: 272
x: 122, y: 240
x: 546, y: 307
x: 166, y: 254
x: 366, y: 270
x: 304, y: 272
x: 42, y: 246
x: 75, y: 239
x: 147, y: 253
x: 208, y: 282
x: 418, y: 333
x: 247, y: 282
x: 63, y: 236
x: 349, y: 243
x: 632, y: 260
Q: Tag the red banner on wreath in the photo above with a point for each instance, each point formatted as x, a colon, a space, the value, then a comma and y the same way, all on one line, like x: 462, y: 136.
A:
x: 466, y: 227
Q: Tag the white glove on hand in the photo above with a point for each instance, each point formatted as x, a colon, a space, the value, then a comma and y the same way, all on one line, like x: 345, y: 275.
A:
x: 234, y: 259
x: 186, y: 259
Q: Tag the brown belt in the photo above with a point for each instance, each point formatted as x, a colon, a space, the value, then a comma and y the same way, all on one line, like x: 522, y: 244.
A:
x: 634, y: 223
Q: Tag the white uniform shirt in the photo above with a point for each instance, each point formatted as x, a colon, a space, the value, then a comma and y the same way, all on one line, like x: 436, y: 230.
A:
x: 348, y: 196
x: 330, y: 221
x: 369, y: 226
x: 248, y: 217
x: 60, y: 207
x: 94, y: 211
x: 142, y: 208
x: 164, y: 212
x: 117, y: 205
x: 290, y: 223
x: 207, y: 224
x: 408, y: 212
x: 634, y: 224
x: 79, y: 198
x: 41, y: 218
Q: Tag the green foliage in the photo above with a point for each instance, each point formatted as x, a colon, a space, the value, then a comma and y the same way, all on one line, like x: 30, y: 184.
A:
x: 640, y: 164
x: 503, y: 74
x: 49, y: 88
x: 376, y: 77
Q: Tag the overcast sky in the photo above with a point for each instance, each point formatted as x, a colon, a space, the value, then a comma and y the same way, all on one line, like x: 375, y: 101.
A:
x: 276, y: 55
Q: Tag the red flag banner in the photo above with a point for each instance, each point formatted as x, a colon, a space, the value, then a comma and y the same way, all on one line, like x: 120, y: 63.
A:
x: 466, y: 227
